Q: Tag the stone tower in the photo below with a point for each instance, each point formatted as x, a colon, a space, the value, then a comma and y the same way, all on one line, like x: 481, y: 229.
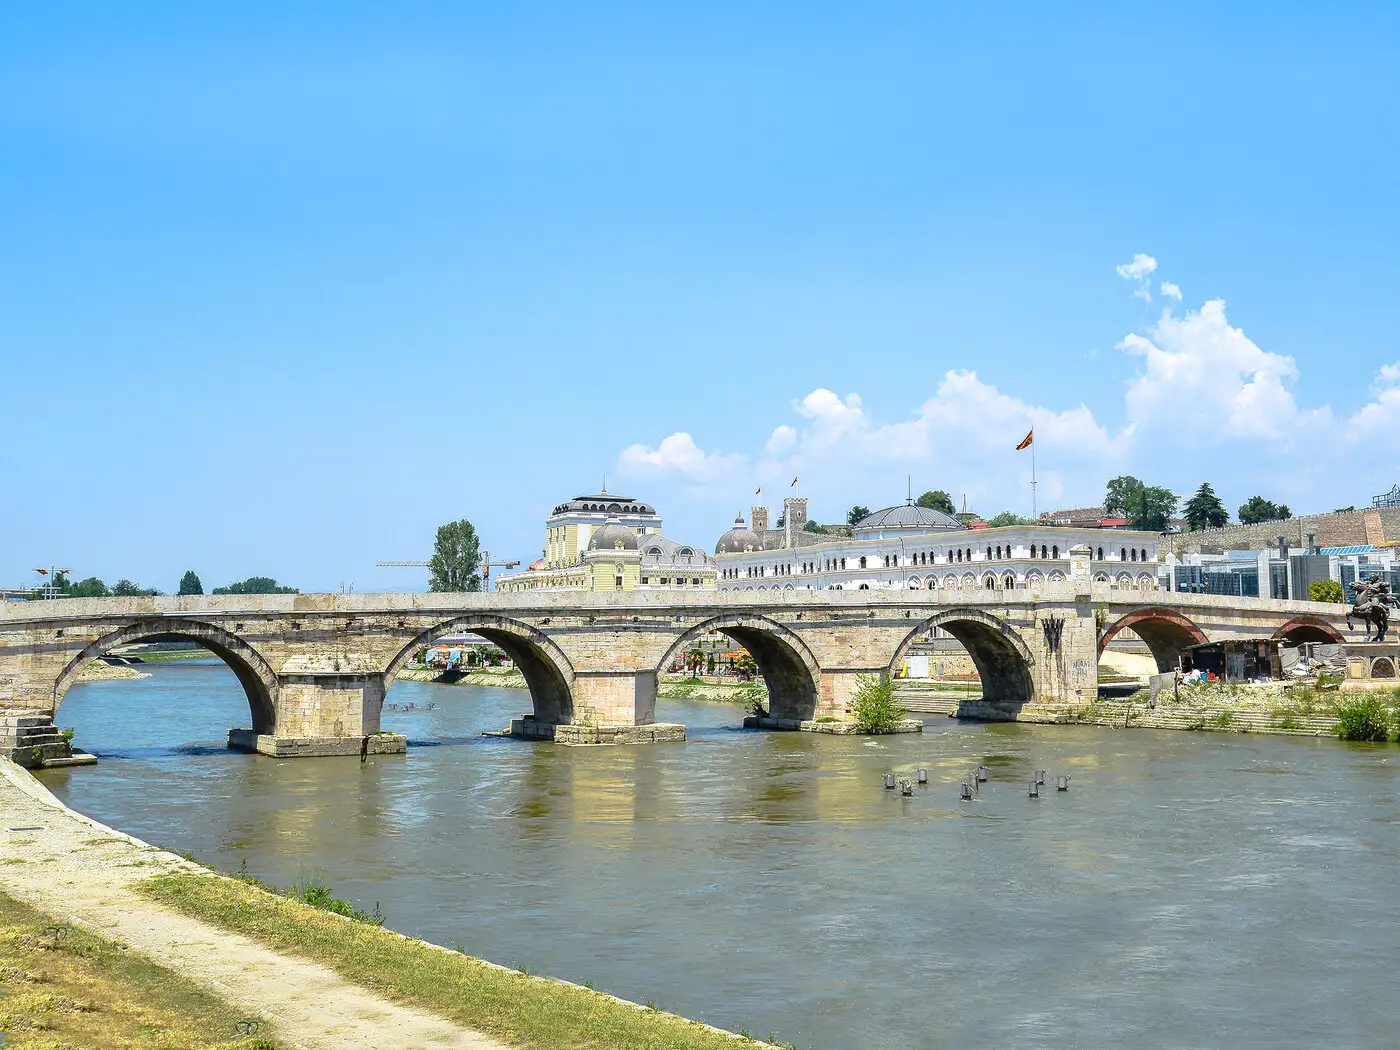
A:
x: 758, y: 520
x: 794, y: 518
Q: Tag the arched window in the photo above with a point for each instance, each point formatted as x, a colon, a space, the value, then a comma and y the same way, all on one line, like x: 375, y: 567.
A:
x: 1008, y: 581
x: 1122, y: 553
x: 843, y: 563
x: 862, y: 565
x: 990, y: 582
x: 864, y: 586
x: 998, y: 552
x: 1100, y: 554
x: 1055, y: 551
x: 1144, y: 554
x: 1042, y: 550
x: 989, y: 552
x: 1134, y: 554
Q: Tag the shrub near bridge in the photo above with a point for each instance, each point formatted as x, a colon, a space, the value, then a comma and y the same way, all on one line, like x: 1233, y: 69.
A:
x: 874, y: 707
x: 1366, y: 717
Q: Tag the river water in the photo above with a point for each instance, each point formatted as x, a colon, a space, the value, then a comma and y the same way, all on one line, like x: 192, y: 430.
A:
x: 1189, y: 890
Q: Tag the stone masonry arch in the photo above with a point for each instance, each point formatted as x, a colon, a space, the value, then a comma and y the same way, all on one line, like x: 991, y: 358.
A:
x: 548, y: 672
x: 258, y: 679
x: 1308, y: 629
x: 1001, y: 656
x: 784, y: 660
x: 1165, y: 631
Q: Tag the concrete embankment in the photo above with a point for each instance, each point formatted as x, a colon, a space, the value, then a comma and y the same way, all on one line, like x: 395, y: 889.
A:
x: 301, y: 968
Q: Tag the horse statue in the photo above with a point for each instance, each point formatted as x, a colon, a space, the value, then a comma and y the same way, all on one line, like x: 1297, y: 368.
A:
x: 1372, y: 606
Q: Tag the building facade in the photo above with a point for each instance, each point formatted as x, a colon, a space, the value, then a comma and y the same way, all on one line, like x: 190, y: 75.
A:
x: 917, y: 548
x: 605, y: 542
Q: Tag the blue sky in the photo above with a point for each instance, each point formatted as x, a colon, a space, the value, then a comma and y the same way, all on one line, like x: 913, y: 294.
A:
x: 283, y: 287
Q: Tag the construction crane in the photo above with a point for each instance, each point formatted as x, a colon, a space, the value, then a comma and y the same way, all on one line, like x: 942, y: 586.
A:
x: 486, y: 565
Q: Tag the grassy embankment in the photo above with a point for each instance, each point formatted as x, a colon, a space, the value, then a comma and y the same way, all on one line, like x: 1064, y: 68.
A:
x: 511, y: 1005
x: 63, y: 987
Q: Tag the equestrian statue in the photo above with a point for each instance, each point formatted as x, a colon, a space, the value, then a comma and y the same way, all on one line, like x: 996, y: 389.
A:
x: 1371, y: 605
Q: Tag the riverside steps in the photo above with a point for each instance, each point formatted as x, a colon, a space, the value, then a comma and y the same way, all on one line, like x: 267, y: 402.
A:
x: 315, y: 667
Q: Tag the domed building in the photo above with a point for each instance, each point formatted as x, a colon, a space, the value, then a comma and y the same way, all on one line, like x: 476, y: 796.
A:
x: 904, y: 519
x: 606, y: 542
x: 906, y: 546
x: 738, y: 539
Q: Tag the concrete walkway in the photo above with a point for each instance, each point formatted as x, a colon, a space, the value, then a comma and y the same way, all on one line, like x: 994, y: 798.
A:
x: 80, y: 871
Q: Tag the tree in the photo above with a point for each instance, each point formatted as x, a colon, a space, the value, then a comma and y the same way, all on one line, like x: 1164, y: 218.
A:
x: 874, y: 707
x: 937, y: 499
x: 92, y: 587
x: 694, y: 661
x: 813, y: 526
x: 1204, y: 510
x: 189, y: 584
x: 1146, y: 507
x: 856, y: 513
x: 1257, y: 509
x: 456, y: 558
x: 256, y: 585
x: 1006, y: 517
x: 1325, y: 591
x: 127, y: 589
x: 1121, y: 492
x: 745, y: 667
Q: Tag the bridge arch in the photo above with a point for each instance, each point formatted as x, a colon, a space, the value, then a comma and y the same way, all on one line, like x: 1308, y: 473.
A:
x: 548, y: 672
x: 258, y: 679
x: 1001, y: 656
x: 1165, y: 631
x: 787, y: 665
x: 1308, y: 628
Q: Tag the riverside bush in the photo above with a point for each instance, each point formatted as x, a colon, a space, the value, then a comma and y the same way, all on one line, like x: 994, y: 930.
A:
x: 874, y: 706
x: 1365, y: 717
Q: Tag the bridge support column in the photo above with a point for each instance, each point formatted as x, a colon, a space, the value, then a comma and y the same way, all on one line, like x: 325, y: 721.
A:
x: 616, y: 707
x: 322, y: 714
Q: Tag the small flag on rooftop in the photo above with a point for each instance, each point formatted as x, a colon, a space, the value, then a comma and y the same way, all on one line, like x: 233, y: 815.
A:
x: 758, y: 490
x: 1026, y: 443
x: 794, y: 482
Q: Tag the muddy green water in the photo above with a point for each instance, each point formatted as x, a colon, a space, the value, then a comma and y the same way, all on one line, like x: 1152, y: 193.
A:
x: 1190, y: 890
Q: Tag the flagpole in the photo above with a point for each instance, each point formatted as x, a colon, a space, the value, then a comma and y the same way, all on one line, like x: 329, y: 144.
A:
x: 1035, y: 515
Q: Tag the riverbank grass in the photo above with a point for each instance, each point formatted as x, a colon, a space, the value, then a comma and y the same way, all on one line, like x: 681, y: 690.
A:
x: 61, y: 986
x: 512, y: 1006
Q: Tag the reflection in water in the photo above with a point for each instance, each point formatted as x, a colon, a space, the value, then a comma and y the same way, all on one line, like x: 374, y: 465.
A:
x: 1189, y: 889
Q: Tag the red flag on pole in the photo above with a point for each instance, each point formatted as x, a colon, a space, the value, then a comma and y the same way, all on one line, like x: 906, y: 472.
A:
x: 1027, y: 442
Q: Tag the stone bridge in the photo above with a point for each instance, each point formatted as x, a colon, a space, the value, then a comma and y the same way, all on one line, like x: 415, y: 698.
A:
x: 315, y: 668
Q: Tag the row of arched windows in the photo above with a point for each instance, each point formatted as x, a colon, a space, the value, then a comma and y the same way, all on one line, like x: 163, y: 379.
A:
x: 998, y: 552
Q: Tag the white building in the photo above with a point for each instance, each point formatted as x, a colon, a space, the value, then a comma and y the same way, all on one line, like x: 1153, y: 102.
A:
x: 908, y: 546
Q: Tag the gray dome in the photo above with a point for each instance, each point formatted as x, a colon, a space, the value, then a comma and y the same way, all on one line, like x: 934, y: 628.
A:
x: 605, y: 503
x: 909, y: 516
x: 738, y: 539
x: 611, y: 535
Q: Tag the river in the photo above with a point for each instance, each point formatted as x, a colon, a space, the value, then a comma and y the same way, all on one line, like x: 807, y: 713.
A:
x: 1190, y: 889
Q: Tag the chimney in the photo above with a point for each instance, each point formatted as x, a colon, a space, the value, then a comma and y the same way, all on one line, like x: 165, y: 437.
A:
x: 758, y: 519
x: 1312, y: 543
x: 1283, y: 547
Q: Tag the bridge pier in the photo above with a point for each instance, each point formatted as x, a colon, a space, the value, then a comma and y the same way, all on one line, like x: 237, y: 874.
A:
x: 324, y: 712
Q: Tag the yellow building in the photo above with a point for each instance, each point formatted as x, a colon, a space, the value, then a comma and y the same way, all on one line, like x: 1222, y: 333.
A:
x: 605, y: 542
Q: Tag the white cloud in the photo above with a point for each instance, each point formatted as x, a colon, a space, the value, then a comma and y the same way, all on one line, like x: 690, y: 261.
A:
x: 1206, y: 400
x: 678, y: 454
x: 781, y: 440
x: 1139, y: 270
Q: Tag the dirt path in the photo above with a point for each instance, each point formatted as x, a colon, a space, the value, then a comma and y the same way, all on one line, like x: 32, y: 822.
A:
x: 81, y: 871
